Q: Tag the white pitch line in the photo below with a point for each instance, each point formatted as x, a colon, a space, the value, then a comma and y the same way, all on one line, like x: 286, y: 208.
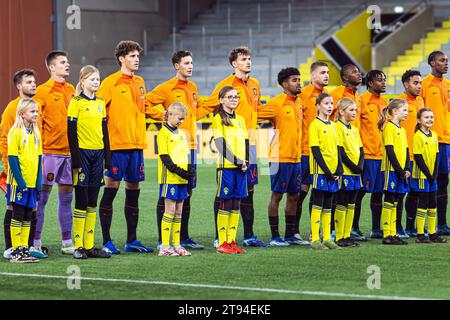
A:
x: 212, y: 286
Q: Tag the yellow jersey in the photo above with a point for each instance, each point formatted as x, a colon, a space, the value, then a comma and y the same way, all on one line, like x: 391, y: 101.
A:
x: 350, y: 140
x: 323, y: 134
x: 89, y: 115
x: 426, y: 145
x: 25, y: 148
x: 234, y: 136
x: 394, y: 135
x: 174, y: 143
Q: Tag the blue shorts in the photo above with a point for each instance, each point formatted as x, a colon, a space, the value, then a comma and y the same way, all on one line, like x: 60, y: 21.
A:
x: 192, y: 182
x: 176, y: 192
x: 24, y: 198
x: 444, y: 158
x: 320, y: 182
x: 422, y: 185
x: 306, y: 176
x: 285, y: 177
x: 91, y: 174
x: 372, y: 178
x: 393, y: 184
x: 231, y: 184
x: 127, y: 165
x: 252, y: 172
x: 350, y: 183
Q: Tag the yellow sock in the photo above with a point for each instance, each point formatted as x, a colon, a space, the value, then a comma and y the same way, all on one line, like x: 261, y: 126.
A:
x: 315, y: 223
x: 326, y: 224
x: 432, y: 220
x: 166, y: 229
x: 25, y: 233
x: 386, y: 218
x: 233, y: 223
x: 79, y: 220
x: 89, y: 228
x: 420, y: 218
x: 393, y: 224
x: 349, y: 220
x: 16, y: 230
x: 176, y: 229
x: 339, y: 221
x: 222, y: 225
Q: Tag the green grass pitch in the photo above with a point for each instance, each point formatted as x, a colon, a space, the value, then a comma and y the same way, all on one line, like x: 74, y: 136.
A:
x: 299, y: 273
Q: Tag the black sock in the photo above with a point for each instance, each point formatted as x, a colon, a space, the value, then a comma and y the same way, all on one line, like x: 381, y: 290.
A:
x: 298, y: 213
x: 273, y: 222
x: 6, y: 228
x: 411, y: 209
x: 184, y: 234
x: 32, y: 229
x: 442, y: 199
x: 132, y: 213
x: 376, y: 206
x: 357, y: 215
x: 290, y: 226
x: 399, y: 213
x: 160, y: 209
x: 106, y: 212
x: 216, y: 212
x: 310, y: 205
x: 248, y: 214
x: 333, y: 210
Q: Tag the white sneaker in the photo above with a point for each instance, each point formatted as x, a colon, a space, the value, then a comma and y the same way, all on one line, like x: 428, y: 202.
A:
x: 182, y: 252
x: 278, y: 242
x: 167, y: 253
x: 216, y: 243
x: 69, y: 250
x: 7, y: 253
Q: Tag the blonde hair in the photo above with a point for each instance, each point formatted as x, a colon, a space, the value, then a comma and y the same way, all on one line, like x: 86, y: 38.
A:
x: 25, y: 105
x: 394, y: 104
x: 175, y: 107
x: 343, y: 104
x: 85, y: 73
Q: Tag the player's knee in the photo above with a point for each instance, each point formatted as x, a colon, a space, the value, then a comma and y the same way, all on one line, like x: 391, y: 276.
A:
x: 65, y: 188
x: 47, y: 188
x: 132, y: 185
x: 109, y: 195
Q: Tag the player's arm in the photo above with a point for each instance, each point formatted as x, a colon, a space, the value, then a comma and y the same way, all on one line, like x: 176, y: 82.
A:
x: 13, y: 159
x: 163, y: 152
x: 5, y: 125
x: 361, y: 159
x: 209, y: 105
x: 266, y: 112
x: 393, y: 160
x: 436, y: 167
x: 72, y: 132
x: 156, y: 97
x: 419, y: 160
x: 408, y: 161
x: 318, y: 157
x: 106, y: 145
x: 348, y: 162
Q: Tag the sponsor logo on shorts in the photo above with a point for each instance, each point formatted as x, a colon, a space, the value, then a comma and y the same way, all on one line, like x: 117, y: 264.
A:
x: 283, y: 185
x: 50, y: 177
x: 141, y: 168
x: 172, y: 191
x: 115, y: 170
x: 19, y: 196
x: 226, y: 191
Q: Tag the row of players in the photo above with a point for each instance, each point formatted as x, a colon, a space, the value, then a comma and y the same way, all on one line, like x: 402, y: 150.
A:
x: 125, y: 98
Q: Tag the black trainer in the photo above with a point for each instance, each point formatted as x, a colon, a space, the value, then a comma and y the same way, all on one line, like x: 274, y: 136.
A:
x: 436, y: 239
x: 342, y: 243
x: 389, y: 240
x: 80, y: 253
x: 97, y: 253
x: 399, y: 241
x: 422, y: 239
x: 352, y: 243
